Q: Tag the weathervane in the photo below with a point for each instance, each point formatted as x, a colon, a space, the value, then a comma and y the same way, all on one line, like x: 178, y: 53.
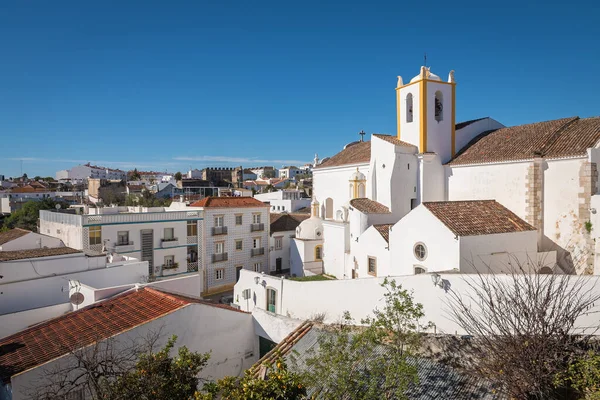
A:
x: 362, y: 135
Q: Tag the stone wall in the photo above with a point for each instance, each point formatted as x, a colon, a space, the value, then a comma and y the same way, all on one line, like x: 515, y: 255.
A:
x: 535, y: 196
x: 588, y: 186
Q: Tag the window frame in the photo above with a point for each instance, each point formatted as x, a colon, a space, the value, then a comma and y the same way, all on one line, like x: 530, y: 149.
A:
x: 169, y: 260
x: 122, y: 234
x: 256, y: 243
x: 319, y: 252
x: 278, y: 242
x: 256, y: 218
x: 425, y: 252
x: 271, y: 295
x: 257, y: 266
x: 241, y: 219
x: 220, y: 244
x: 241, y: 242
x: 194, y: 227
x: 95, y: 232
x: 171, y: 236
x: 374, y: 260
x: 219, y: 221
x: 221, y: 272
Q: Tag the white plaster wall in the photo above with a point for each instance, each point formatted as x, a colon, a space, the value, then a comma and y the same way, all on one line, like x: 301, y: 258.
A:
x: 15, y: 322
x: 228, y: 335
x: 432, y: 178
x: 499, y: 253
x: 303, y: 300
x: 272, y: 326
x: 5, y: 205
x: 296, y: 254
x: 42, y: 267
x: 71, y: 235
x: 335, y: 245
x: 439, y: 134
x: 505, y: 183
x: 561, y: 204
x: 32, y: 241
x: 466, y: 134
x: 53, y: 286
x: 371, y: 244
x: 421, y: 226
x: 410, y: 131
x: 284, y: 252
x: 334, y: 183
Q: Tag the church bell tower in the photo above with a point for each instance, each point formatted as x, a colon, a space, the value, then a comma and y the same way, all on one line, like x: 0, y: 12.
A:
x: 426, y: 113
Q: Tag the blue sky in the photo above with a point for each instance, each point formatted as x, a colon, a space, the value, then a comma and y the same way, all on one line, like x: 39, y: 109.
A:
x: 169, y: 85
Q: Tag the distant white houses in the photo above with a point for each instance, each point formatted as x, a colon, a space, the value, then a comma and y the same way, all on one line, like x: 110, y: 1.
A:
x: 286, y: 200
x: 81, y: 173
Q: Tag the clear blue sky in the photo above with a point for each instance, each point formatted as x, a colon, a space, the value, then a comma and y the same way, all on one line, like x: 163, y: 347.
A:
x: 173, y: 84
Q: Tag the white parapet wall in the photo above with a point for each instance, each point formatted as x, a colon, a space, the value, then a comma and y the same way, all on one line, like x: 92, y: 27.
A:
x: 307, y: 300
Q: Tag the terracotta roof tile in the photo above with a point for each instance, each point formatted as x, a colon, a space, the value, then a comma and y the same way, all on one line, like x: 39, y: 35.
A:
x: 393, y: 140
x: 369, y: 206
x: 567, y: 137
x: 228, y: 202
x: 54, y: 338
x: 286, y: 222
x: 355, y: 153
x: 282, y: 348
x: 477, y: 217
x: 12, y: 234
x: 384, y: 230
x: 36, y: 253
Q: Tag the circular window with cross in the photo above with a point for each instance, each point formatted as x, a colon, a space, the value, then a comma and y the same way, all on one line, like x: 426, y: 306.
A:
x: 420, y: 251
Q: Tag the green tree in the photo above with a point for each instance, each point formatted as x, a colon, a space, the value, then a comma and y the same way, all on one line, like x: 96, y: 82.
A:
x: 279, y: 383
x: 37, y: 178
x: 135, y: 175
x: 178, y: 176
x: 27, y: 216
x: 350, y: 363
x: 583, y: 375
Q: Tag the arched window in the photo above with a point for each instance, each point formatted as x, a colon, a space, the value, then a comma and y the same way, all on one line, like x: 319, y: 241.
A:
x: 329, y: 208
x: 361, y: 190
x: 439, y: 106
x: 409, y: 107
x: 419, y: 270
x: 318, y: 253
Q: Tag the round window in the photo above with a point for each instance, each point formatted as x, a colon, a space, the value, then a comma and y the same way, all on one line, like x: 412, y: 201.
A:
x: 420, y: 251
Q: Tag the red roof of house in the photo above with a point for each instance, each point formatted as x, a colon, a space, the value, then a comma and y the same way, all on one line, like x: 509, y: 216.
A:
x: 227, y: 202
x: 54, y: 338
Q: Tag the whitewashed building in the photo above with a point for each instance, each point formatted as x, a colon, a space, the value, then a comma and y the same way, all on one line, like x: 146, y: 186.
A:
x: 167, y: 238
x: 22, y: 239
x: 285, y: 200
x: 545, y: 173
x: 235, y: 236
x: 81, y: 173
x: 282, y: 234
x: 129, y: 317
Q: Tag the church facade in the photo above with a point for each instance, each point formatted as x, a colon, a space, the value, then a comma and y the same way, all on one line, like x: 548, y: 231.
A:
x: 374, y: 199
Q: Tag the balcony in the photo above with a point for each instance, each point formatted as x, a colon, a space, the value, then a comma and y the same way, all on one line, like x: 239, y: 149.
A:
x: 219, y: 257
x: 219, y: 230
x: 172, y: 266
x: 257, y: 227
x: 259, y: 251
x: 192, y: 240
x: 192, y: 266
x: 169, y: 242
x: 124, y: 246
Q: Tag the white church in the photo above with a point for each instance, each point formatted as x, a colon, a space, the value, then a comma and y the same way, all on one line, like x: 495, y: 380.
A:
x: 443, y: 196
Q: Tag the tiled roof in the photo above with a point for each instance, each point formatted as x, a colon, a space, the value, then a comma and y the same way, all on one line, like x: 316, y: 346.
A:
x: 286, y: 222
x: 229, y: 202
x: 477, y: 217
x: 369, y: 206
x: 303, y: 210
x: 384, y: 230
x: 359, y: 152
x: 36, y: 253
x: 393, y: 140
x: 463, y: 124
x: 54, y: 338
x: 436, y: 380
x: 12, y: 234
x: 567, y: 137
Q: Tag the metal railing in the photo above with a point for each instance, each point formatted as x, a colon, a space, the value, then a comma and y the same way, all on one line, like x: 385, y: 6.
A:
x: 124, y: 244
x: 257, y: 227
x: 259, y: 251
x: 219, y: 257
x: 192, y: 266
x: 219, y: 230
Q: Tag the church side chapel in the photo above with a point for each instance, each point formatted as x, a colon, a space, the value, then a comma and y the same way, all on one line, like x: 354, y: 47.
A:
x: 445, y: 196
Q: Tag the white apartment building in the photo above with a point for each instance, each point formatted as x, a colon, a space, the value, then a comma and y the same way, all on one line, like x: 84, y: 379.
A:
x: 165, y: 237
x: 286, y: 200
x: 235, y: 236
x: 289, y: 172
x: 85, y: 171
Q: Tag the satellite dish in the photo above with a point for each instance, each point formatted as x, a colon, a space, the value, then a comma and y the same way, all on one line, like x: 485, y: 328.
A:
x: 57, y: 206
x: 76, y: 298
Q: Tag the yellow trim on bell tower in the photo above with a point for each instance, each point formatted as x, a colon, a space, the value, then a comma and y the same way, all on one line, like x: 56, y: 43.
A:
x: 423, y: 115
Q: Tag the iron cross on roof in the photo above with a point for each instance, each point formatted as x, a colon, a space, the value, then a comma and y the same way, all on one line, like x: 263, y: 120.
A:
x: 362, y: 135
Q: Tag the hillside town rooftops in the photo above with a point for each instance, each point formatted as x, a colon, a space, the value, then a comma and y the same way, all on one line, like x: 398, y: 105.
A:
x: 477, y: 217
x: 393, y: 140
x: 286, y: 222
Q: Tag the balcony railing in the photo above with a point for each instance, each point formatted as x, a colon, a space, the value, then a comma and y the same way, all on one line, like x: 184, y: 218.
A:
x: 169, y: 242
x: 257, y: 227
x: 219, y: 230
x: 124, y: 246
x: 192, y: 239
x: 259, y: 251
x: 219, y: 257
x: 192, y: 266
